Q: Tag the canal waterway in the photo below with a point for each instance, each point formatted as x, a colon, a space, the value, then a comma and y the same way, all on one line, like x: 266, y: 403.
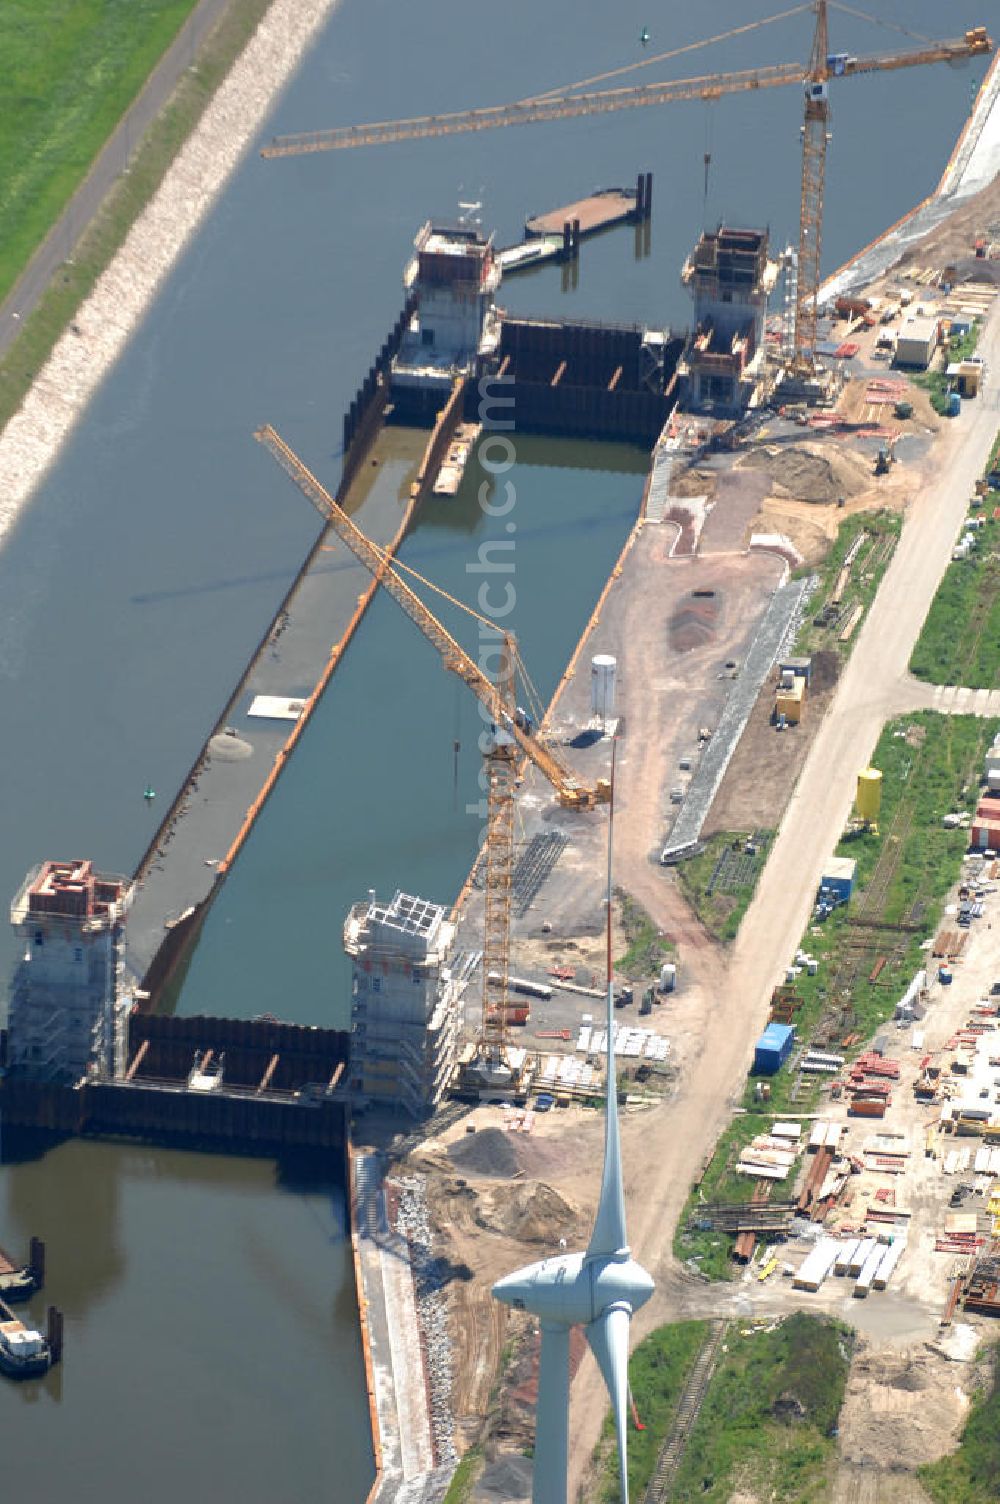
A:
x: 210, y: 1324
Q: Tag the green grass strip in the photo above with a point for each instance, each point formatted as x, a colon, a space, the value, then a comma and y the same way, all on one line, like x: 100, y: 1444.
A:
x: 971, y: 1475
x: 128, y: 198
x: 721, y: 912
x: 960, y: 639
x: 658, y: 1371
x: 70, y: 72
x: 646, y: 946
x: 770, y: 1415
x: 870, y: 564
x: 931, y: 763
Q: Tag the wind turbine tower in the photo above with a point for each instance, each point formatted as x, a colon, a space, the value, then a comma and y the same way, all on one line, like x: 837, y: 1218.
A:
x: 598, y: 1290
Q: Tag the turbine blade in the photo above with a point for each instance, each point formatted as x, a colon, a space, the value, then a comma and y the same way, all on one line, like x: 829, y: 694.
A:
x: 551, y: 1464
x: 609, y: 1236
x: 608, y: 1338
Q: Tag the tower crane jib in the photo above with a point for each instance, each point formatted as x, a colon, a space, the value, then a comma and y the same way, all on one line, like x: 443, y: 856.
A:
x: 572, y: 102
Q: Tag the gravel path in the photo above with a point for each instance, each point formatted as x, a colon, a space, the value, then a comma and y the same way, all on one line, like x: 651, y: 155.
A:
x: 709, y: 773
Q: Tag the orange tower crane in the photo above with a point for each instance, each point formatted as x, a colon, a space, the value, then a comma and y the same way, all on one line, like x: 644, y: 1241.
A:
x: 577, y: 99
x: 510, y: 738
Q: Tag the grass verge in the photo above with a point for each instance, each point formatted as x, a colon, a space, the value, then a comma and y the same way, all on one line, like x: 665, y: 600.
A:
x: 970, y: 1474
x: 720, y: 881
x: 70, y: 73
x: 769, y: 1415
x: 464, y: 1477
x: 930, y: 765
x: 658, y: 1371
x: 646, y: 946
x: 879, y: 532
x: 935, y: 383
x: 960, y: 639
x: 100, y: 241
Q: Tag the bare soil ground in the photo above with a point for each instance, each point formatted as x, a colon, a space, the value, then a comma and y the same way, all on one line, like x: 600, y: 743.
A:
x: 900, y: 1409
x: 766, y: 765
x: 695, y: 480
x: 953, y: 241
x: 712, y: 1018
x: 494, y: 1209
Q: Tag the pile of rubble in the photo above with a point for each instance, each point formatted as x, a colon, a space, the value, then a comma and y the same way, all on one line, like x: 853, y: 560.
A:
x: 413, y: 1223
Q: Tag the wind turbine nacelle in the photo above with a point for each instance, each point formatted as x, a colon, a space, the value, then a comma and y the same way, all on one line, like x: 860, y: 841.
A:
x: 574, y: 1289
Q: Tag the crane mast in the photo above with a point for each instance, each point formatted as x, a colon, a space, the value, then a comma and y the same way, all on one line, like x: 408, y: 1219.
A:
x: 815, y: 132
x: 501, y: 773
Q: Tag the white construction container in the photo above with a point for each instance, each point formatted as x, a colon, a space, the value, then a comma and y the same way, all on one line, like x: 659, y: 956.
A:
x: 833, y: 1133
x: 845, y: 1254
x: 762, y: 1172
x: 817, y: 1137
x: 860, y: 1256
x: 787, y: 1130
x: 890, y: 1259
x: 868, y: 1271
x: 668, y: 976
x: 817, y: 1265
x: 603, y: 673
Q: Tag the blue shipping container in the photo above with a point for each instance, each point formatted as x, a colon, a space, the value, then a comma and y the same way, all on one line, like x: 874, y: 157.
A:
x: 838, y: 876
x: 773, y: 1048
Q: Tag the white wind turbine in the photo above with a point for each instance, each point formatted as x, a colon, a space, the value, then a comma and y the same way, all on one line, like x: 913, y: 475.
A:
x: 598, y: 1290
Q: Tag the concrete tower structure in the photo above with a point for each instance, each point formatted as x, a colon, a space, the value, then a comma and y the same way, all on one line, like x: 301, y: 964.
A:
x: 730, y: 277
x: 69, y: 1003
x: 405, y: 1002
x: 454, y: 275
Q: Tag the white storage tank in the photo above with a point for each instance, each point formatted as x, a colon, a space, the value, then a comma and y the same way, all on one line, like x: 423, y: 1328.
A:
x: 603, y: 671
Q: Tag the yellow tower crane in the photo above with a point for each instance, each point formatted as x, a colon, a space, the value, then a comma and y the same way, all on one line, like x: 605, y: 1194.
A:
x: 510, y: 737
x: 575, y: 100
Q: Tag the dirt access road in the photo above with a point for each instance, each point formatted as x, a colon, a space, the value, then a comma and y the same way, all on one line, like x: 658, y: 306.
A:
x: 677, y: 1139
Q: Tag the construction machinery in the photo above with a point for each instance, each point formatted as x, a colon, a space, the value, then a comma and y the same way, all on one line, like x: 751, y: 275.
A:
x: 886, y: 457
x: 578, y: 99
x: 510, y: 737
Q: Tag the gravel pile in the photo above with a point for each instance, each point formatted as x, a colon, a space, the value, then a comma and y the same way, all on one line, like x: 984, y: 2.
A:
x: 798, y: 616
x: 413, y: 1223
x: 489, y: 1152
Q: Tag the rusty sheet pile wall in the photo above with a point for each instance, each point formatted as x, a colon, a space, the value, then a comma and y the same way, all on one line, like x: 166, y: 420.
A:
x: 277, y: 1087
x: 596, y: 380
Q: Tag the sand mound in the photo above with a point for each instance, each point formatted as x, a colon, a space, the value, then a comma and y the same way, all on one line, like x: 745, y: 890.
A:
x: 532, y: 1213
x: 490, y: 1152
x: 809, y: 473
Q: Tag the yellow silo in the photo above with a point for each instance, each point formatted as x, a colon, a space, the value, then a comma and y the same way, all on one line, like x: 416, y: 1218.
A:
x: 869, y: 795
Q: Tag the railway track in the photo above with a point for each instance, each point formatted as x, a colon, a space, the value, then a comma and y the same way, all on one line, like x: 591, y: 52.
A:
x: 691, y: 1400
